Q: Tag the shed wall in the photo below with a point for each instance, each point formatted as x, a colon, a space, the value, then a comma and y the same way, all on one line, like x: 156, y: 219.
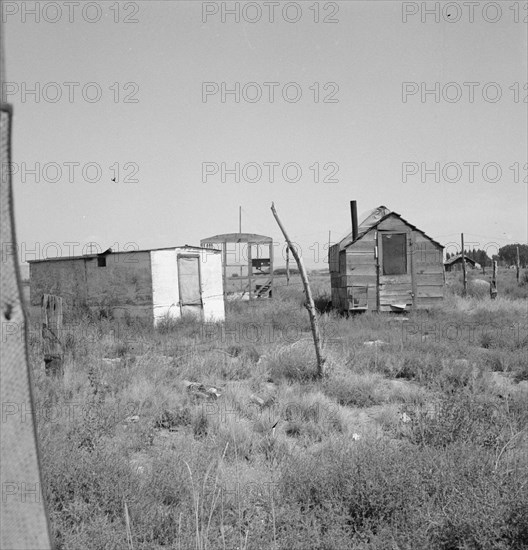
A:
x: 123, y: 285
x: 65, y: 278
x: 166, y: 298
x: 212, y: 286
x: 165, y: 291
x: 361, y: 270
x: 125, y: 280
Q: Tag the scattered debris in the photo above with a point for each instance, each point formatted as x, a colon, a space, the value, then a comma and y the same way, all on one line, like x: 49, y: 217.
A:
x: 256, y: 399
x: 172, y: 419
x: 405, y: 418
x: 374, y: 343
x: 199, y: 390
x: 140, y: 464
x: 480, y: 283
x: 250, y: 352
x: 108, y: 362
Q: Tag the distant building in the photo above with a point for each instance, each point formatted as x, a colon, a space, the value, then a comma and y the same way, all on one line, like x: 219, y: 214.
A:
x: 386, y: 264
x: 158, y: 283
x: 455, y: 263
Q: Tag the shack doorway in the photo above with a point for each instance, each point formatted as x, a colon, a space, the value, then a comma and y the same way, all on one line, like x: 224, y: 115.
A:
x: 189, y: 285
x: 395, y: 286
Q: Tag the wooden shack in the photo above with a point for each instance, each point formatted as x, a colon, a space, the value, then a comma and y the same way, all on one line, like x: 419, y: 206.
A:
x: 455, y: 263
x: 386, y: 264
x: 157, y: 284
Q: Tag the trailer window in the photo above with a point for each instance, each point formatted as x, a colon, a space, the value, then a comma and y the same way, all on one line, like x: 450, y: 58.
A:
x: 394, y: 247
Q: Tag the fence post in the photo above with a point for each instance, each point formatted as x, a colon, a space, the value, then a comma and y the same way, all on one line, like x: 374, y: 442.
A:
x: 518, y: 265
x: 493, y: 284
x: 51, y: 319
x: 464, y: 273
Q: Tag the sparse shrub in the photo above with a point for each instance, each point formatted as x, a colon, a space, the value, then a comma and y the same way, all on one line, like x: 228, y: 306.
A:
x: 311, y: 416
x: 521, y: 372
x: 292, y: 363
x: 349, y: 484
x: 200, y: 423
x: 238, y: 362
x: 354, y: 390
x: 486, y: 340
x: 516, y: 524
x: 173, y: 419
x: 121, y: 349
x: 323, y: 303
x: 274, y: 449
x: 248, y: 352
x: 456, y: 374
x: 412, y: 367
x: 460, y: 417
x: 494, y: 361
x: 187, y: 326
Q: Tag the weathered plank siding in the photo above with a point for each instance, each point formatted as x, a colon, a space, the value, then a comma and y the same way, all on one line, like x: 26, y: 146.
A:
x: 125, y: 280
x: 430, y: 274
x: 361, y: 269
x: 65, y: 278
x: 124, y: 284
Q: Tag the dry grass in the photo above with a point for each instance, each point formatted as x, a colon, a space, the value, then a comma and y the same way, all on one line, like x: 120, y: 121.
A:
x: 412, y: 443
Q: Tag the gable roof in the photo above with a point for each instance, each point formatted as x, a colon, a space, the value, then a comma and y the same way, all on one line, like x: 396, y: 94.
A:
x: 372, y: 220
x: 458, y: 257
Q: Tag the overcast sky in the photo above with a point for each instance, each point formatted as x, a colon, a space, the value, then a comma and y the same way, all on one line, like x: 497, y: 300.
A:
x: 347, y: 108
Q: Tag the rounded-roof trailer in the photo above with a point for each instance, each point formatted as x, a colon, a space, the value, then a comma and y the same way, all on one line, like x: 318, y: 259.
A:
x: 251, y: 277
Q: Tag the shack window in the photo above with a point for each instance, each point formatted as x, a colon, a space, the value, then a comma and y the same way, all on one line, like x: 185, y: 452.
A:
x: 101, y: 261
x: 394, y: 248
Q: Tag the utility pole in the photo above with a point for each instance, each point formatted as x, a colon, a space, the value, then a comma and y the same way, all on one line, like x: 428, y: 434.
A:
x: 287, y: 266
x: 518, y: 264
x: 464, y: 273
x: 240, y: 246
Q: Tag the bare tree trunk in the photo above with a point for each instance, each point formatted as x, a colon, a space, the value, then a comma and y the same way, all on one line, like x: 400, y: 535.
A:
x: 310, y: 306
